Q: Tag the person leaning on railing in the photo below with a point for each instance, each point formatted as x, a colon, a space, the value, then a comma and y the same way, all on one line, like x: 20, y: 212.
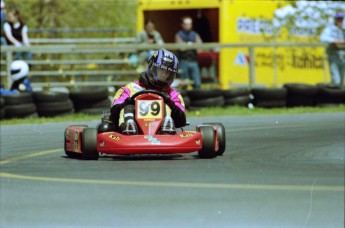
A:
x: 334, y: 35
x: 16, y: 33
x: 148, y: 36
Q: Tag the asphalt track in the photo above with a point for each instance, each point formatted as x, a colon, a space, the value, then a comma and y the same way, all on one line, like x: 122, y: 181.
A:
x: 277, y: 171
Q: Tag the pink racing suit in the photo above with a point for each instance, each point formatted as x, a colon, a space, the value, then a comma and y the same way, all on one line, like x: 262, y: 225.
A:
x: 176, y: 105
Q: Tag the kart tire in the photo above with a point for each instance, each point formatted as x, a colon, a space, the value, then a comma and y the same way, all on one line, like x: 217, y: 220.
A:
x: 89, y: 144
x: 238, y: 101
x: 48, y: 96
x: 221, y: 137
x: 209, y: 102
x: 69, y: 153
x: 207, y: 150
x: 89, y: 94
x: 231, y: 93
x: 21, y: 110
x: 16, y: 99
x: 201, y: 94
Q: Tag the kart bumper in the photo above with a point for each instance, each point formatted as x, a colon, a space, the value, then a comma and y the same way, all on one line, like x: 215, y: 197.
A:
x: 116, y: 143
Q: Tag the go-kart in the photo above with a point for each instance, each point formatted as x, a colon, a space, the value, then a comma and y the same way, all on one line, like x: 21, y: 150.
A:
x: 85, y: 142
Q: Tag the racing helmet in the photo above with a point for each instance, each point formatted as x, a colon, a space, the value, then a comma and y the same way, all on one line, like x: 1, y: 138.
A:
x: 19, y: 69
x: 162, y: 68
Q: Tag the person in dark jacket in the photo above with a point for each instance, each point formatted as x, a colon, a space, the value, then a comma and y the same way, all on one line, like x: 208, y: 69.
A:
x: 161, y: 71
x: 16, y: 33
x: 188, y: 59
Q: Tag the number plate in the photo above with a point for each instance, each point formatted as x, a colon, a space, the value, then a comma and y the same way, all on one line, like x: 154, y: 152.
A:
x: 149, y: 109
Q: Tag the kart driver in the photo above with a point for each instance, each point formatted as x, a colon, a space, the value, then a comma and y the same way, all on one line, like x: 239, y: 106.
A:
x: 162, y: 67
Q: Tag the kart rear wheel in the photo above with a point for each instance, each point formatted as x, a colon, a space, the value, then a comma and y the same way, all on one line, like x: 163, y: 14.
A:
x: 207, y: 150
x: 221, y: 137
x: 89, y: 144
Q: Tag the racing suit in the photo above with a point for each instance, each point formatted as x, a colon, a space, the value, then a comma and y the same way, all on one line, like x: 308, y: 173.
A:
x: 173, y: 100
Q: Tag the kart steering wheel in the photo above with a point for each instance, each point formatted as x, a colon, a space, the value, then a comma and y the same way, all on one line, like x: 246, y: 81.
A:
x: 132, y: 99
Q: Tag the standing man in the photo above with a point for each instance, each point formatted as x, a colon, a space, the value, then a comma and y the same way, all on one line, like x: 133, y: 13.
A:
x: 334, y: 35
x: 188, y: 59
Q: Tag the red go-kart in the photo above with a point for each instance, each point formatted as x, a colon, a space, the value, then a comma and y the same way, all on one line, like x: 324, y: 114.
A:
x: 208, y: 139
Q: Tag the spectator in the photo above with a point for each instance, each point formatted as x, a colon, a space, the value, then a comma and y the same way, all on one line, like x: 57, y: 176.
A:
x: 149, y: 36
x: 334, y: 35
x: 188, y: 59
x: 3, y: 39
x: 16, y: 33
x: 19, y: 74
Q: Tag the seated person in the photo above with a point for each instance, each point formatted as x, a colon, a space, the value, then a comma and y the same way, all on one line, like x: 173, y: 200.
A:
x: 161, y: 71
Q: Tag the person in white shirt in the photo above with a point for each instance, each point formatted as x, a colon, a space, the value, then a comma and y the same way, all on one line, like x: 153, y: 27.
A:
x: 334, y: 35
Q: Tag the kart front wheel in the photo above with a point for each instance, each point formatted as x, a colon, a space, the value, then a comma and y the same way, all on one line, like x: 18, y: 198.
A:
x: 89, y: 144
x: 221, y: 137
x: 208, y: 147
x: 69, y: 153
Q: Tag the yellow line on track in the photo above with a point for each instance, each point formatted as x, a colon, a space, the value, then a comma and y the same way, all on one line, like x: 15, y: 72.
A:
x: 23, y: 157
x: 175, y: 184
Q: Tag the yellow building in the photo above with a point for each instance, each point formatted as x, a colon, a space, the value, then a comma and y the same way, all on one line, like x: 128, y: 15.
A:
x: 240, y: 21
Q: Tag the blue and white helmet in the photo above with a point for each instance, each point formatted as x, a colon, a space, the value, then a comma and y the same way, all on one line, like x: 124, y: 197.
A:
x: 19, y: 69
x: 162, y: 69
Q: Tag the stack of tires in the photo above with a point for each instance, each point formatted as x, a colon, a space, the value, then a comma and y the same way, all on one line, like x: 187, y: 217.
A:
x: 300, y: 94
x: 237, y: 97
x: 19, y: 106
x: 269, y: 97
x: 330, y: 95
x: 90, y: 101
x: 206, y: 98
x: 50, y: 104
x: 2, y: 108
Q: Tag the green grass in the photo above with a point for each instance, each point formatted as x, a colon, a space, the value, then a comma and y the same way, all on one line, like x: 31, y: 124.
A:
x: 216, y: 111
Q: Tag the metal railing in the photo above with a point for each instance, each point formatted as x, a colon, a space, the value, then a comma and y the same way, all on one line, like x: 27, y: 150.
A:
x: 126, y: 49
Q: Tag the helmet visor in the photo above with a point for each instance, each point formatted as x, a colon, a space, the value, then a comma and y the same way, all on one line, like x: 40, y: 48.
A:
x: 165, y: 76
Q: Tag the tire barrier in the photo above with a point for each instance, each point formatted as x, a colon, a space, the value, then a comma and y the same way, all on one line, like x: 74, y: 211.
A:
x: 90, y: 101
x: 94, y: 101
x: 300, y: 94
x: 237, y: 97
x: 329, y: 95
x: 19, y: 106
x: 269, y: 97
x: 206, y: 97
x: 50, y: 104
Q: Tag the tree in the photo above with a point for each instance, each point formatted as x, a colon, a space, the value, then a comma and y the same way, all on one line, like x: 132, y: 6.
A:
x: 49, y: 14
